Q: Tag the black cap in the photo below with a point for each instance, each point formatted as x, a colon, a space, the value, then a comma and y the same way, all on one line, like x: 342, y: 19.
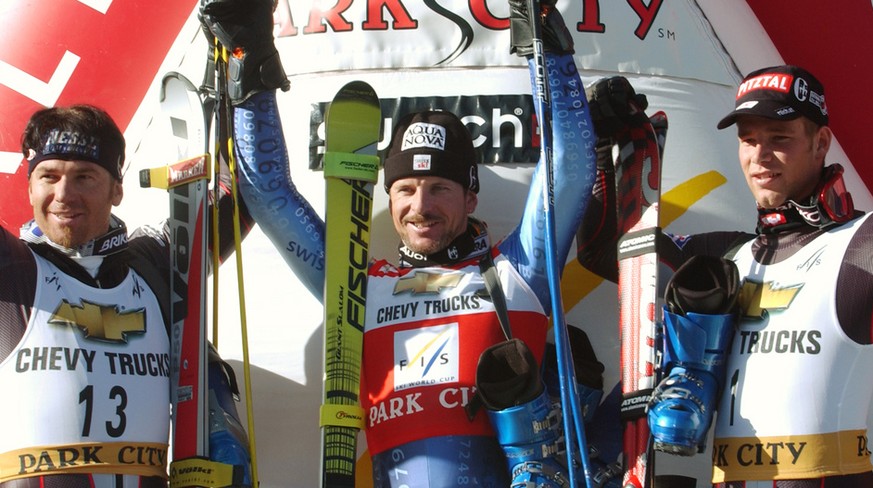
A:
x: 780, y: 93
x: 432, y: 143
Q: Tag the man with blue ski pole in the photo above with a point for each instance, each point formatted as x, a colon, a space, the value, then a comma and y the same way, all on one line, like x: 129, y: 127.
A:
x: 425, y: 429
x: 772, y: 328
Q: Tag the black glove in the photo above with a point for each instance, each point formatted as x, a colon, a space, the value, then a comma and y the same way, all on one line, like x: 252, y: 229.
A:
x: 555, y: 36
x: 705, y: 285
x: 245, y: 28
x: 246, y: 24
x: 507, y: 375
x: 615, y: 105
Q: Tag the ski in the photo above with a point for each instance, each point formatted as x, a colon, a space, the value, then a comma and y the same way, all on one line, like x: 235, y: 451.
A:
x: 187, y: 182
x: 187, y: 115
x: 351, y: 167
x: 638, y: 181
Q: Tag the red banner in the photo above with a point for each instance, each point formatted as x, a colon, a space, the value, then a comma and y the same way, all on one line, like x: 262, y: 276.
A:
x: 60, y: 52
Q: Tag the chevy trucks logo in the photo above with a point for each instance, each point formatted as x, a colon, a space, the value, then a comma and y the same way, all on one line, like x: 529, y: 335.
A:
x: 756, y: 298
x: 100, y: 322
x: 419, y: 282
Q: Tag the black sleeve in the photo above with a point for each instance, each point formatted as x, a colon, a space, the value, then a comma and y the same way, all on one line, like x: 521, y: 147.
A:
x: 17, y: 290
x: 597, y: 236
x: 674, y: 250
x: 855, y: 286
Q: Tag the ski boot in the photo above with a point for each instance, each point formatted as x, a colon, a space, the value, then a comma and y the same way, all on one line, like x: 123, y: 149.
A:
x: 589, y: 372
x: 556, y: 38
x: 245, y: 28
x: 509, y: 386
x: 699, y: 319
x: 228, y: 442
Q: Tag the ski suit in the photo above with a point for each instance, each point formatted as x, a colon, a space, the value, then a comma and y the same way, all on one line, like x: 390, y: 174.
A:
x: 793, y: 412
x: 85, y: 359
x: 421, y: 345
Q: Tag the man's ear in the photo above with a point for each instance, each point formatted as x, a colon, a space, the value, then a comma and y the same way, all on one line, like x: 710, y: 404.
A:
x: 117, y: 193
x: 823, y: 139
x: 472, y: 202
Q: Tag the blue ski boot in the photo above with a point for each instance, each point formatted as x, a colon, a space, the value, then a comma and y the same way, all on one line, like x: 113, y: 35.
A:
x: 509, y: 385
x: 699, y: 318
x: 228, y: 441
x: 589, y: 372
x: 602, y: 425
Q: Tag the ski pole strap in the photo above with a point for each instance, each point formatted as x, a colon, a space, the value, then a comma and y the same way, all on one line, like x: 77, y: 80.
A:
x: 351, y: 166
x: 341, y: 416
x: 492, y: 285
x: 196, y: 472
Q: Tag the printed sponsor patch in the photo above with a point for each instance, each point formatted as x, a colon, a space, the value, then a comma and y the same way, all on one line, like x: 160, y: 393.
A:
x: 426, y: 356
x: 424, y: 135
x: 421, y: 162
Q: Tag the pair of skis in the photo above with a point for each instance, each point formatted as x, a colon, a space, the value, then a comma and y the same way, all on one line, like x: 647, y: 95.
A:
x: 351, y: 167
x: 189, y: 112
x: 187, y: 182
x: 638, y: 190
x: 353, y: 125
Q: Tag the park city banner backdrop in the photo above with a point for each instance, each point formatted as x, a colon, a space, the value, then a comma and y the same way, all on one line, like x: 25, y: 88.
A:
x: 687, y: 56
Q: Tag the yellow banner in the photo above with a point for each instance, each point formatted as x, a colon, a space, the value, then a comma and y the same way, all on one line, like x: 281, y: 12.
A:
x: 143, y: 459
x: 790, y: 457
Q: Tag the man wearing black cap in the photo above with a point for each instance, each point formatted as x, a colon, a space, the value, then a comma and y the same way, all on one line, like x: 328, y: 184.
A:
x: 429, y: 317
x: 796, y: 388
x: 84, y: 321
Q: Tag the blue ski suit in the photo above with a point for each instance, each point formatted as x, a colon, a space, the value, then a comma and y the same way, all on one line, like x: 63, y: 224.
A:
x: 432, y: 458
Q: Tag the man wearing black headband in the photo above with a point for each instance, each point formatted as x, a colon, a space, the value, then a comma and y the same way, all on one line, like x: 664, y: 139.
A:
x: 429, y: 317
x: 84, y: 321
x: 793, y: 386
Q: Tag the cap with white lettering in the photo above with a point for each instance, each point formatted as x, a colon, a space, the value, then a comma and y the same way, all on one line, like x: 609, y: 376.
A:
x: 780, y: 93
x: 432, y: 143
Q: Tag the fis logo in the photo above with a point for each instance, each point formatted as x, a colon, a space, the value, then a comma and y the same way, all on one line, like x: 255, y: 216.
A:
x: 100, y: 322
x: 426, y: 356
x: 419, y: 282
x: 756, y: 299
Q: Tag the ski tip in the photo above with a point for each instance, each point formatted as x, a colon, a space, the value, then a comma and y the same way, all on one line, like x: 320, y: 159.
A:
x: 357, y: 87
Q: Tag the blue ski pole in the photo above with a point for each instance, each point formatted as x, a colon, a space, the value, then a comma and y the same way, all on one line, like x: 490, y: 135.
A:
x: 574, y: 430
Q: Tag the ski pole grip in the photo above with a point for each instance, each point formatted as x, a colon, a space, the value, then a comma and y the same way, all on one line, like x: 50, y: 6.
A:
x: 342, y: 416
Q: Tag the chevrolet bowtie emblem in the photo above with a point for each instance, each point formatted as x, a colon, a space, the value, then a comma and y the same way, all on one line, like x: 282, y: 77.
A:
x: 100, y: 322
x: 758, y: 297
x: 422, y: 282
